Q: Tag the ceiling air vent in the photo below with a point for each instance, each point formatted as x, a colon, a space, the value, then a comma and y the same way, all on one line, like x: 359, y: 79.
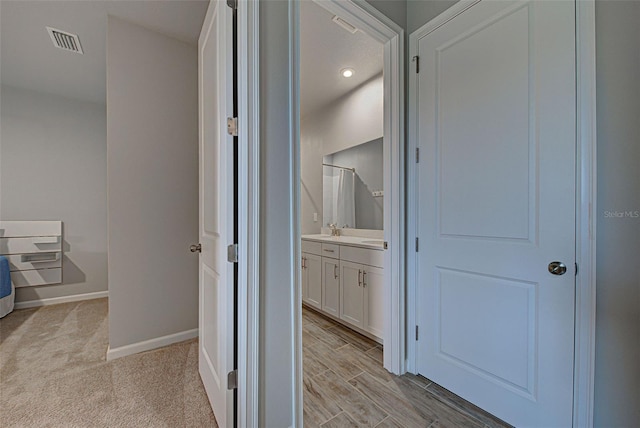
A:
x: 64, y: 40
x: 344, y: 24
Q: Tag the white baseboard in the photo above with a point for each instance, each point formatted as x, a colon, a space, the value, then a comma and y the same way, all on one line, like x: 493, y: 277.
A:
x: 147, y: 345
x: 64, y: 299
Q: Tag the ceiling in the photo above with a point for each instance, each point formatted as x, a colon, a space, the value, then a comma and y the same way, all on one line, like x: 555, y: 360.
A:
x: 325, y: 49
x: 28, y: 58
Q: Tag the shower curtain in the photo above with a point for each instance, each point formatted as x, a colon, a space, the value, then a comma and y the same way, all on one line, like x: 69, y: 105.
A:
x: 345, y: 200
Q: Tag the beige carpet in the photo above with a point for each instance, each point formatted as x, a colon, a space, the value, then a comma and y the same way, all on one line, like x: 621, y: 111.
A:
x: 53, y: 373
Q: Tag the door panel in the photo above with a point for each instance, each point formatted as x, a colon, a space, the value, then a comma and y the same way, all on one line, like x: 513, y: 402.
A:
x: 374, y: 300
x: 331, y: 286
x: 313, y: 265
x: 216, y: 218
x: 496, y: 198
x: 352, y: 294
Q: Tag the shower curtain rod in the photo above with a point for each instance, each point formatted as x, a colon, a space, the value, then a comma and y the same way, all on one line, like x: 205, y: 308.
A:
x: 341, y: 167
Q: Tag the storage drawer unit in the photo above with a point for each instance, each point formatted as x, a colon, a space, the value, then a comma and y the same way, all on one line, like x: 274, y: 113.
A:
x: 34, y: 251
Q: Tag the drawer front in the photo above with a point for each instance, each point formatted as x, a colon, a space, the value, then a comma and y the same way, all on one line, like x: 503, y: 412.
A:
x: 30, y: 278
x: 362, y: 255
x: 331, y: 250
x: 30, y: 245
x: 312, y: 247
x: 32, y: 261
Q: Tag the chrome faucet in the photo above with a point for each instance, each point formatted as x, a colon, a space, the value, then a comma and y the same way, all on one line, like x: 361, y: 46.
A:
x: 334, y: 230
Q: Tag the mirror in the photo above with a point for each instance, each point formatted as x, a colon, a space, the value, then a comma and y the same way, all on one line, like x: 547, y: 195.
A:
x: 353, y: 187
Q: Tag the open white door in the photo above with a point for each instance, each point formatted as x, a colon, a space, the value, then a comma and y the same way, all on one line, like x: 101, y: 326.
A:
x: 496, y: 126
x: 216, y: 218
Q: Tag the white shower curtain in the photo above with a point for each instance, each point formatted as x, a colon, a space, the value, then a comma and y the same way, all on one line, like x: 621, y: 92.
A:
x: 345, y: 200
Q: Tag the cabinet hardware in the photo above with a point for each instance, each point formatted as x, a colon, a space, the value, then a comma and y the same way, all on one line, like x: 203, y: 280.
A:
x: 359, y: 280
x: 364, y: 281
x: 328, y: 251
x: 335, y: 271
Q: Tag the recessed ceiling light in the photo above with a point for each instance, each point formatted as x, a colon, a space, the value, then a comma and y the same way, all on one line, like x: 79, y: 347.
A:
x: 347, y: 72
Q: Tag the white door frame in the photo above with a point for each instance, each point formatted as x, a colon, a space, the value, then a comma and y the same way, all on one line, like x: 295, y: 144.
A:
x: 586, y: 188
x: 248, y: 212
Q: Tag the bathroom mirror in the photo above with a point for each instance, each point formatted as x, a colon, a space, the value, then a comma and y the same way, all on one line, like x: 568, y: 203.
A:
x: 352, y: 187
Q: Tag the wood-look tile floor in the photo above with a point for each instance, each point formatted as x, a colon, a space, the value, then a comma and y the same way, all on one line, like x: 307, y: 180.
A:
x: 345, y: 385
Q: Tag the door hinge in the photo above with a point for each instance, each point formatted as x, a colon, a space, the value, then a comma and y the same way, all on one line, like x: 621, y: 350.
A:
x: 232, y: 126
x: 417, y: 155
x: 232, y: 253
x: 233, y: 4
x: 417, y: 244
x: 416, y: 59
x: 416, y: 333
x: 232, y: 379
x: 576, y: 264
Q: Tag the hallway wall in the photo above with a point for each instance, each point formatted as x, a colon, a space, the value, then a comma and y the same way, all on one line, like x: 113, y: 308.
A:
x: 152, y: 148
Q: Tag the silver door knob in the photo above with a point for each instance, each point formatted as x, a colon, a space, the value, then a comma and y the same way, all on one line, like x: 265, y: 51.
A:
x: 196, y: 248
x: 557, y: 268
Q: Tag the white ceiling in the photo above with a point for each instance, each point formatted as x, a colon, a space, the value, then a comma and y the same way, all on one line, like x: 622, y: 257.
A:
x: 28, y: 58
x: 325, y: 49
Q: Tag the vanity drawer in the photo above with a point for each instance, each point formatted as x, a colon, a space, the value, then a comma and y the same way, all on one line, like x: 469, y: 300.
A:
x: 312, y: 247
x: 331, y: 250
x: 362, y: 255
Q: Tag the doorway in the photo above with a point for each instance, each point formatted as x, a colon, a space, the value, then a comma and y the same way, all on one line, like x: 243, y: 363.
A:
x: 349, y: 152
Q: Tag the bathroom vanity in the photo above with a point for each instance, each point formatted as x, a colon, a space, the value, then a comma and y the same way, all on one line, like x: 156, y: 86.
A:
x: 342, y: 277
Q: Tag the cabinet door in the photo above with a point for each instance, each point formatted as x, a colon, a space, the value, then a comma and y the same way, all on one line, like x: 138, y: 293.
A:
x: 373, y: 284
x: 314, y: 280
x: 305, y: 278
x: 351, y: 294
x: 331, y: 286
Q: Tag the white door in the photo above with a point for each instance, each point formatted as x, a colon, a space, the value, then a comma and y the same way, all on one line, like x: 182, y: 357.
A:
x: 216, y: 211
x: 496, y: 196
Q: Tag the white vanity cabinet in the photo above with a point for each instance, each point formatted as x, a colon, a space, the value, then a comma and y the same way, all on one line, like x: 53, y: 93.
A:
x: 312, y: 274
x: 362, y: 297
x: 350, y: 280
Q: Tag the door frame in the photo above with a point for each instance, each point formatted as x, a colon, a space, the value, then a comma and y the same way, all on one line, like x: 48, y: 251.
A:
x: 248, y: 212
x: 586, y: 192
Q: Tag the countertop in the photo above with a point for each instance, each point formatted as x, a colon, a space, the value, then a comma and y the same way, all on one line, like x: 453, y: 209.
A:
x: 354, y: 241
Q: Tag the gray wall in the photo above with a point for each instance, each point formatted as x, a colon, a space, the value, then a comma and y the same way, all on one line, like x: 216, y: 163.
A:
x: 617, y: 369
x: 617, y: 392
x: 53, y: 166
x: 152, y: 148
x: 351, y: 120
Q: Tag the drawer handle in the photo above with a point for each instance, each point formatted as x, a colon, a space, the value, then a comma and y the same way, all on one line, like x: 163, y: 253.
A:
x: 335, y: 271
x: 364, y: 283
x: 39, y: 258
x: 329, y: 251
x: 359, y: 280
